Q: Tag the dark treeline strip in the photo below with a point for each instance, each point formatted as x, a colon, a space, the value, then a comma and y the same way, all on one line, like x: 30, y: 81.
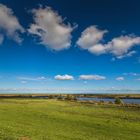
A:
x: 122, y: 96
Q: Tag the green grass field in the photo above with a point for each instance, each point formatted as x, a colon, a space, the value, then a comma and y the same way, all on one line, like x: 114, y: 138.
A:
x: 40, y: 119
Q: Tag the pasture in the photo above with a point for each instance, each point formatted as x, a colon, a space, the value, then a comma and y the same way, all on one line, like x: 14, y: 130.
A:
x: 50, y: 119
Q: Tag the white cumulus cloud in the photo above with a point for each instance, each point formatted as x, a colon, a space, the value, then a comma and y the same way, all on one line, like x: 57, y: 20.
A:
x: 64, y: 77
x: 9, y: 25
x: 90, y: 37
x: 97, y: 49
x: 120, y: 78
x: 122, y: 46
x: 49, y: 27
x: 119, y: 47
x: 92, y: 77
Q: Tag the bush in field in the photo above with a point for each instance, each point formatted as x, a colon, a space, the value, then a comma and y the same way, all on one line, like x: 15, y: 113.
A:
x: 50, y: 96
x: 128, y: 96
x: 118, y: 101
x: 70, y: 97
x: 60, y: 97
x: 74, y: 98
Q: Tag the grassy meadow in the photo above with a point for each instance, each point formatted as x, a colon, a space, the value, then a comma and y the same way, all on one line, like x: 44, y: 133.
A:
x: 42, y: 119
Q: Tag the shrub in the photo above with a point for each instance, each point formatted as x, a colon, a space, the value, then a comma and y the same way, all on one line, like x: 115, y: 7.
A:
x: 60, y: 97
x: 50, y: 96
x: 118, y: 101
x: 70, y: 97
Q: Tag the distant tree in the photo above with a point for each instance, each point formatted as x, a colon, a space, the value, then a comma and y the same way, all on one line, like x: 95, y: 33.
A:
x: 75, y: 98
x: 127, y: 96
x: 60, y: 97
x: 68, y: 97
x: 71, y: 97
x: 51, y: 96
x: 118, y: 101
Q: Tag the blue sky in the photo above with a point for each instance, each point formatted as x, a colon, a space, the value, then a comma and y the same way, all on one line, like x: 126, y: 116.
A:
x: 69, y: 46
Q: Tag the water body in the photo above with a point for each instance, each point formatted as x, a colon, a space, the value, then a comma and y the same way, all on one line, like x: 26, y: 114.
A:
x: 130, y: 101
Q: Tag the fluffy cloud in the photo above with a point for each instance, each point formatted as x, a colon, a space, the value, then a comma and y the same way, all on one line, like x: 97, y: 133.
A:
x: 50, y: 29
x: 120, y: 78
x: 119, y: 47
x: 90, y: 37
x: 64, y: 77
x: 9, y: 25
x: 97, y: 49
x: 92, y: 77
x: 129, y: 54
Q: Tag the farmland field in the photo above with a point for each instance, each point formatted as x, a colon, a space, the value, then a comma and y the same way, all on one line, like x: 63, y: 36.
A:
x: 42, y: 119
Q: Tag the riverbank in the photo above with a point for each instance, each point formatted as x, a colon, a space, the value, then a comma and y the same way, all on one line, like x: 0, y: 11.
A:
x: 127, y: 99
x: 39, y: 95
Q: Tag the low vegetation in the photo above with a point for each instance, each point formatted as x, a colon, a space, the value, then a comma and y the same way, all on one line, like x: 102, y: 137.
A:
x: 51, y: 119
x: 118, y: 101
x: 52, y: 96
